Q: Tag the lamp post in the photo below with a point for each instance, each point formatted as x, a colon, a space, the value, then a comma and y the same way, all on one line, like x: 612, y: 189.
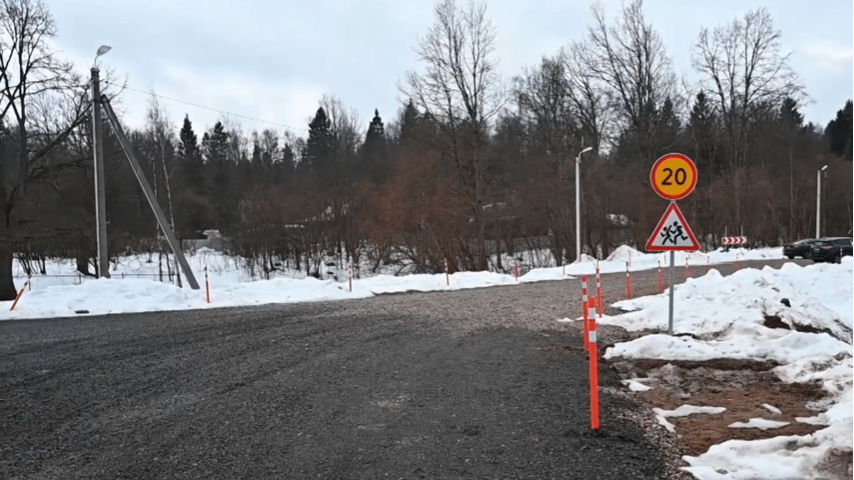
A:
x: 98, y: 154
x: 578, y: 203
x: 818, y: 202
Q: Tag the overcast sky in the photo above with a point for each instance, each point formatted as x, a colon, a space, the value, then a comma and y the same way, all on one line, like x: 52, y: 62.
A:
x: 274, y: 59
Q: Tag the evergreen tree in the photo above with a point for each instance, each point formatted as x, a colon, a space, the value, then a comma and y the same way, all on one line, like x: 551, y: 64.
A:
x: 409, y: 125
x: 838, y: 132
x: 320, y: 148
x: 701, y: 132
x: 668, y: 128
x: 215, y: 144
x: 789, y: 116
x: 375, y: 151
x: 190, y: 158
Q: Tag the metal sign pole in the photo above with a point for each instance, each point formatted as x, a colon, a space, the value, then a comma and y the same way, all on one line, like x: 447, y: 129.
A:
x: 670, y: 311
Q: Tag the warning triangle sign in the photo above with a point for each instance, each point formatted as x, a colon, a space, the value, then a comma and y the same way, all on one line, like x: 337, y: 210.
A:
x: 672, y: 233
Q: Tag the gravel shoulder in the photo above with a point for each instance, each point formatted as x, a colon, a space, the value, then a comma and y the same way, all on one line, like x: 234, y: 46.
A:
x: 477, y: 383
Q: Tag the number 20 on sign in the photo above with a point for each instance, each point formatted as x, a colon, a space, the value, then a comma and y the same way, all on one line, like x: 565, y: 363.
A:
x: 673, y: 176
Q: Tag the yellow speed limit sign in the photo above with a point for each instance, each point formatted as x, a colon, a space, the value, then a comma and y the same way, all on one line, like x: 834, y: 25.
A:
x: 673, y: 176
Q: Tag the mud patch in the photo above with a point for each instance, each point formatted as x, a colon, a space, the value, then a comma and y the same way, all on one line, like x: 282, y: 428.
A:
x: 723, y: 364
x: 742, y: 391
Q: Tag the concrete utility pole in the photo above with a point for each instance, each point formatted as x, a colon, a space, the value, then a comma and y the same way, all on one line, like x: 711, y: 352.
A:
x: 149, y: 194
x: 100, y: 201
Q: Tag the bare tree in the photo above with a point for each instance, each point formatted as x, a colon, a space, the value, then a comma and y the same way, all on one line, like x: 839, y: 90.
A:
x: 461, y: 91
x: 346, y: 138
x: 743, y: 65
x: 630, y: 59
x: 588, y: 98
x: 31, y: 74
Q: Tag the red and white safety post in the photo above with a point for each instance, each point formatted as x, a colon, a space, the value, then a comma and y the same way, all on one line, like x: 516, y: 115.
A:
x: 598, y: 290
x: 515, y: 271
x: 660, y: 282
x: 207, y: 286
x: 736, y: 260
x: 447, y: 276
x: 628, y: 283
x: 593, y: 353
x: 350, y: 271
x: 20, y: 294
x: 687, y: 270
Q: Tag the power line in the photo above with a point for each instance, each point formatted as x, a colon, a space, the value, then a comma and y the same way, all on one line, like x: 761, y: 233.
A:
x: 210, y: 108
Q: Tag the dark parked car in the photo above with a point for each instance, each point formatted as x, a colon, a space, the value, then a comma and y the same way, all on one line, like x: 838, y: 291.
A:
x: 831, y: 249
x: 801, y: 248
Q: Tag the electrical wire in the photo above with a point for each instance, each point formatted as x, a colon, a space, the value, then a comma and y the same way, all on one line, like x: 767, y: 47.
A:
x: 206, y: 107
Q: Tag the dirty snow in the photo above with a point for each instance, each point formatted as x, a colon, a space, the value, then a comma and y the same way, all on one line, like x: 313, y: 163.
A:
x: 759, y: 423
x: 724, y: 317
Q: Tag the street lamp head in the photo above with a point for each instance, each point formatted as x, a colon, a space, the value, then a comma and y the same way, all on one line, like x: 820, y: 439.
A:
x: 587, y: 149
x: 823, y: 168
x: 102, y: 50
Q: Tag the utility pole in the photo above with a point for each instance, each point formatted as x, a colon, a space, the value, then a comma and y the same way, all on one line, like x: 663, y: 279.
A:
x: 100, y: 201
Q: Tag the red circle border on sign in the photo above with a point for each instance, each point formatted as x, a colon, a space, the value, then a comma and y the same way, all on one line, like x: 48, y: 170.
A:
x: 693, y: 178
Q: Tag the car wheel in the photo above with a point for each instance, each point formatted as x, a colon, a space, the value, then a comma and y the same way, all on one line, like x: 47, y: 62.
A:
x: 790, y: 256
x: 838, y: 258
x: 806, y: 256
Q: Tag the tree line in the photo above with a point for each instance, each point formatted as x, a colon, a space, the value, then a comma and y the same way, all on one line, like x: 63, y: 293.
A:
x: 471, y: 167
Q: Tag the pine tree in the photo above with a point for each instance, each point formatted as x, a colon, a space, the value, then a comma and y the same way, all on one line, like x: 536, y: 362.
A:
x: 789, y: 116
x: 192, y: 167
x: 375, y: 151
x: 409, y: 125
x: 215, y: 144
x: 838, y: 132
x: 668, y: 128
x: 320, y: 147
x: 701, y: 131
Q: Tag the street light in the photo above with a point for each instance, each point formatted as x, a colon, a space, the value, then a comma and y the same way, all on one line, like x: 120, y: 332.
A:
x: 102, y: 50
x: 98, y: 154
x: 818, y: 202
x: 578, y: 203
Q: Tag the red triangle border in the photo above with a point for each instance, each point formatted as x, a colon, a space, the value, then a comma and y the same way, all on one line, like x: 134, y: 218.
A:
x: 688, y: 248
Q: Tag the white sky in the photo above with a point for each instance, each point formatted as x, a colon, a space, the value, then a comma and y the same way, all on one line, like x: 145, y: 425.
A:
x: 273, y: 60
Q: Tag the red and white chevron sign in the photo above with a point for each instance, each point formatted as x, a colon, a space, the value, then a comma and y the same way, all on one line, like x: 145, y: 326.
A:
x: 733, y: 240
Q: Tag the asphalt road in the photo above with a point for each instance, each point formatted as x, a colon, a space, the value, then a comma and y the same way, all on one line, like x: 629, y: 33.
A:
x: 463, y: 384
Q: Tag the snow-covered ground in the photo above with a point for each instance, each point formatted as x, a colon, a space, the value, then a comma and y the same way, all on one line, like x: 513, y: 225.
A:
x: 134, y: 286
x: 725, y: 318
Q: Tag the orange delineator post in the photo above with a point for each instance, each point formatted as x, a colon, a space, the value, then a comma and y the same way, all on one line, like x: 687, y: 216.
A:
x: 593, y: 353
x: 687, y: 271
x: 19, y: 295
x: 207, y: 286
x: 515, y: 271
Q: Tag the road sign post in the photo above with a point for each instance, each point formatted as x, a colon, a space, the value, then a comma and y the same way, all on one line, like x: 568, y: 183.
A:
x: 673, y: 177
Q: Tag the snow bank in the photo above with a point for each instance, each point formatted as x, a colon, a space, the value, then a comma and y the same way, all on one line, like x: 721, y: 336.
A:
x: 724, y: 317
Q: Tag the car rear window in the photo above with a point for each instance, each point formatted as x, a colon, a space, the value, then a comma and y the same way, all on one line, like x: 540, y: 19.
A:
x: 842, y: 241
x: 822, y: 243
